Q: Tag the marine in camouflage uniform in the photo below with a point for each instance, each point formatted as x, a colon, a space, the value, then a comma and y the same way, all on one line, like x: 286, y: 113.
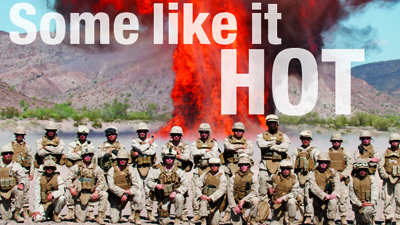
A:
x: 324, y: 185
x: 168, y: 185
x: 74, y: 156
x: 363, y: 193
x: 389, y: 171
x: 210, y: 187
x: 304, y: 159
x: 366, y: 150
x: 50, y: 146
x: 202, y: 150
x: 86, y: 183
x: 24, y: 156
x: 143, y: 156
x: 233, y: 146
x: 124, y: 185
x: 242, y: 193
x: 13, y: 182
x: 283, y: 193
x: 342, y: 163
x: 108, y: 151
x: 273, y: 145
x: 49, y: 193
x: 183, y: 157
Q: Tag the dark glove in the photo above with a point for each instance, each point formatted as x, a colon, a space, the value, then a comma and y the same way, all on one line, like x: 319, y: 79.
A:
x: 107, y: 156
x: 115, y: 152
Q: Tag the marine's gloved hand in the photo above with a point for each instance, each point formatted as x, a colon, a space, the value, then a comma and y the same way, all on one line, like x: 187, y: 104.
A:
x: 115, y: 152
x: 107, y: 156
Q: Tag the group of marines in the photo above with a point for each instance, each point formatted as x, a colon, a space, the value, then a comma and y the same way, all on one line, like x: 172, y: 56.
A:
x: 305, y: 181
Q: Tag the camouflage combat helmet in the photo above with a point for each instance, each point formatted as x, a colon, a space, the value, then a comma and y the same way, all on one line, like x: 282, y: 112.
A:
x: 361, y: 164
x: 365, y: 133
x: 238, y: 126
x: 142, y: 126
x: 306, y: 134
x: 324, y: 157
x: 7, y: 148
x: 244, y: 159
x: 176, y: 130
x: 49, y: 163
x: 205, y: 127
x: 169, y: 153
x: 51, y: 125
x: 272, y: 118
x: 20, y: 130
x: 122, y: 155
x: 111, y: 130
x: 82, y: 129
x: 394, y: 137
x: 87, y: 150
x: 286, y: 163
x: 336, y: 137
x: 214, y: 161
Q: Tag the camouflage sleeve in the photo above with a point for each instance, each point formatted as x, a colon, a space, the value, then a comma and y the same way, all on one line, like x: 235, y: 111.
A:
x: 336, y: 182
x: 381, y: 168
x: 284, y: 146
x: 185, y: 156
x: 22, y: 177
x: 101, y: 151
x: 72, y: 174
x: 353, y: 197
x: 221, y: 189
x: 356, y: 155
x: 36, y: 200
x: 71, y: 154
x: 261, y: 143
x: 314, y: 154
x: 61, y: 188
x: 374, y: 190
x: 376, y: 153
x: 145, y: 148
x: 349, y: 164
x: 294, y: 156
x: 39, y: 148
x: 30, y: 153
x: 60, y: 148
x: 101, y: 181
x: 198, y: 187
x: 249, y: 150
x: 314, y: 187
x: 293, y: 191
x: 254, y: 190
x: 230, y: 147
x: 184, y: 182
x: 111, y: 185
x: 152, y: 179
x: 195, y: 151
x: 214, y: 153
x: 136, y: 181
x: 152, y: 150
x: 231, y: 198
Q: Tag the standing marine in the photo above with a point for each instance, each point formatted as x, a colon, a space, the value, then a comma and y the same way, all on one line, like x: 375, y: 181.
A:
x: 168, y: 185
x: 389, y: 171
x: 74, y: 156
x: 233, y: 146
x: 211, y: 187
x: 364, y: 194
x: 24, y: 156
x: 143, y: 155
x: 202, y: 150
x: 273, y: 145
x: 13, y: 182
x: 366, y: 150
x: 108, y: 151
x: 242, y: 193
x: 342, y: 163
x: 324, y: 185
x: 86, y: 183
x: 304, y: 158
x: 50, y: 146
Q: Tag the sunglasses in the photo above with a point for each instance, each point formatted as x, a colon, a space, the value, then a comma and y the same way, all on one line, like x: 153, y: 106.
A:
x: 335, y: 141
x: 211, y: 165
x: 7, y: 153
x: 142, y: 131
x: 203, y: 132
x: 240, y: 165
x: 306, y: 139
x: 365, y: 138
x: 176, y: 135
x: 237, y: 130
x: 20, y: 135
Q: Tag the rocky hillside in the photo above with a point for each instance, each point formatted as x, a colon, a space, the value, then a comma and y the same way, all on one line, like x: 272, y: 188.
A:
x: 138, y: 74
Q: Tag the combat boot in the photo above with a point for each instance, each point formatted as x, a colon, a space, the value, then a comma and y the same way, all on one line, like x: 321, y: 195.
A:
x: 398, y: 222
x: 195, y: 218
x: 70, y: 215
x: 184, y: 218
x: 307, y: 220
x: 25, y: 212
x: 331, y: 222
x: 253, y: 221
x: 18, y: 217
x: 227, y: 217
x: 343, y: 220
x: 300, y: 221
x: 291, y: 221
x: 203, y: 220
x: 177, y: 221
x: 56, y: 218
x: 91, y: 216
x: 137, y: 218
x: 132, y: 216
x: 99, y: 218
x: 150, y: 217
x: 388, y: 222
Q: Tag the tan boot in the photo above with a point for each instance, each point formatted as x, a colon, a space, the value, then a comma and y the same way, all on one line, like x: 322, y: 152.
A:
x: 177, y: 221
x: 331, y: 222
x: 150, y: 217
x: 343, y: 220
x: 17, y: 216
x: 100, y: 217
x: 137, y: 218
x: 132, y: 217
x: 25, y: 212
x: 195, y: 218
x: 291, y: 221
x: 253, y: 221
x: 56, y: 218
x: 203, y: 220
x: 227, y: 217
x: 91, y: 216
x: 184, y: 218
x: 70, y: 215
x: 307, y: 220
x: 398, y: 222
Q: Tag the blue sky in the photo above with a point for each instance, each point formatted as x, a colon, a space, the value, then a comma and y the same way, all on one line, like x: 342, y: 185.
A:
x: 376, y: 28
